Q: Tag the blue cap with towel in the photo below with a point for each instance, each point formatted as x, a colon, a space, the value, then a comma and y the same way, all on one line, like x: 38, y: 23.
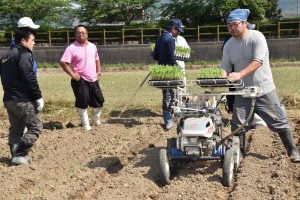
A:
x: 238, y: 15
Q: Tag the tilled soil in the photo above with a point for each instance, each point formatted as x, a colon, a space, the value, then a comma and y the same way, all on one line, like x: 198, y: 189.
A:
x: 119, y: 160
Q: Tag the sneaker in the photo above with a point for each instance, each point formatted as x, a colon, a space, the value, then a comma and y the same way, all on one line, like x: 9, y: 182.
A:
x: 20, y: 160
x: 168, y: 126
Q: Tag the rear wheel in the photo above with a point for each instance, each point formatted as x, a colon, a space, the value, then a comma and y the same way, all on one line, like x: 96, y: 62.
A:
x: 228, y: 168
x: 164, y: 167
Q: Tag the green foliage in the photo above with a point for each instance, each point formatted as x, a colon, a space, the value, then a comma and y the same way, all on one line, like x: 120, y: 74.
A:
x: 203, y: 62
x: 2, y: 35
x: 200, y: 12
x: 140, y: 25
x: 291, y: 59
x: 108, y: 11
x: 273, y: 13
x: 210, y: 73
x: 191, y: 12
x: 39, y: 10
x: 45, y: 27
x: 125, y: 66
x: 46, y: 65
x: 165, y: 72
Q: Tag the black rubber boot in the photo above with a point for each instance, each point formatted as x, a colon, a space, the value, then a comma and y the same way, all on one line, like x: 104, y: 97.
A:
x: 289, y: 144
x: 13, y: 149
x: 19, y: 153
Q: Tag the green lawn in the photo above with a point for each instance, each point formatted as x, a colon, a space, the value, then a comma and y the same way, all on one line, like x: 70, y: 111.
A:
x: 118, y: 87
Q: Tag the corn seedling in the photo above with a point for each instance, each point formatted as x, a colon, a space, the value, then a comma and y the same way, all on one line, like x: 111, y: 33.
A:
x: 152, y: 46
x: 162, y: 72
x: 182, y: 52
x: 210, y: 73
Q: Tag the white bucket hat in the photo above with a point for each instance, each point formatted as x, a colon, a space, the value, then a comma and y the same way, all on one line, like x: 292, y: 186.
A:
x: 27, y: 22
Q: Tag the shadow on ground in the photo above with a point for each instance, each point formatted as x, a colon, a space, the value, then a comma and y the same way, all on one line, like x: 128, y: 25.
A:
x: 127, y: 118
x: 6, y: 160
x: 133, y: 113
x: 127, y: 122
x: 111, y: 164
x: 150, y: 158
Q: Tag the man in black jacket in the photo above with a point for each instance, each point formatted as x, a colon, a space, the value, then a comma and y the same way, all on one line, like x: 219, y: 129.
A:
x: 164, y: 54
x: 22, y: 96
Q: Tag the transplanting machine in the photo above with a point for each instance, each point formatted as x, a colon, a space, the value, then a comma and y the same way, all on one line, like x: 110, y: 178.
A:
x: 199, y: 126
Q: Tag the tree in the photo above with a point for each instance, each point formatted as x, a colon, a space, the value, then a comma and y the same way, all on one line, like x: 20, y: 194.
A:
x: 39, y: 10
x: 94, y: 12
x: 273, y: 13
x: 191, y: 12
x: 196, y: 12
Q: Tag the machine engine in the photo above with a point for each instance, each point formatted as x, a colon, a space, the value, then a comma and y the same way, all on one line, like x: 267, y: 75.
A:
x: 197, y: 136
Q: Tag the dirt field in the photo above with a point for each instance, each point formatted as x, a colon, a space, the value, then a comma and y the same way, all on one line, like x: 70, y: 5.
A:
x: 119, y: 160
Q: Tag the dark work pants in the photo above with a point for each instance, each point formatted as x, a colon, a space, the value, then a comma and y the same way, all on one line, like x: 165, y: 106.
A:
x: 87, y: 94
x: 23, y: 114
x: 268, y: 107
x: 167, y: 103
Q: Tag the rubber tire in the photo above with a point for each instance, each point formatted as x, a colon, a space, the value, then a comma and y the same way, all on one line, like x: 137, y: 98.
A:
x: 228, y: 168
x: 164, y: 167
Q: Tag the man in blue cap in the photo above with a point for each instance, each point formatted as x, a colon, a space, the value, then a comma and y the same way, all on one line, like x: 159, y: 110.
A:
x: 164, y: 54
x: 248, y: 51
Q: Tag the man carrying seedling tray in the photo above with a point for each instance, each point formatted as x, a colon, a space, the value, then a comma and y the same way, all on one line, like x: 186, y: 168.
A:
x: 164, y: 54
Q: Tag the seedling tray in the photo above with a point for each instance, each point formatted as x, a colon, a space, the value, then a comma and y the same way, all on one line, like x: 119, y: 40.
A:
x: 166, y: 84
x: 218, y: 82
x: 181, y: 58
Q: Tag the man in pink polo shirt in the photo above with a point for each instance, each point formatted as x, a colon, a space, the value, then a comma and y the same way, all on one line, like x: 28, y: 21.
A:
x: 81, y: 61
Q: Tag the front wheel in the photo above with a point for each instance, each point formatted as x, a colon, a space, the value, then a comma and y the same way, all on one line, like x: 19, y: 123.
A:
x: 164, y: 167
x: 228, y: 168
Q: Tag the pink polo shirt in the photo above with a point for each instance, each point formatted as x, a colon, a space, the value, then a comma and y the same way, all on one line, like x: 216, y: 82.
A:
x: 82, y: 59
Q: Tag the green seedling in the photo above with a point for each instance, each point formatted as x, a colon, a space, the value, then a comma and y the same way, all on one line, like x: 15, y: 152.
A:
x: 162, y: 72
x: 152, y: 46
x: 182, y: 52
x: 210, y: 73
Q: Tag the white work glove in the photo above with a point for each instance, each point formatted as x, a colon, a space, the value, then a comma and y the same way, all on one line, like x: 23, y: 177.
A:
x: 40, y: 104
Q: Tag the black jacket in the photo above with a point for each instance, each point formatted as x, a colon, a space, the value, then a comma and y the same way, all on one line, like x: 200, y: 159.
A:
x: 17, y: 75
x: 164, y: 50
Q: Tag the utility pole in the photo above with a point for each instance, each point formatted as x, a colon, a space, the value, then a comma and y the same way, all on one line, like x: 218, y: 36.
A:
x: 298, y: 9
